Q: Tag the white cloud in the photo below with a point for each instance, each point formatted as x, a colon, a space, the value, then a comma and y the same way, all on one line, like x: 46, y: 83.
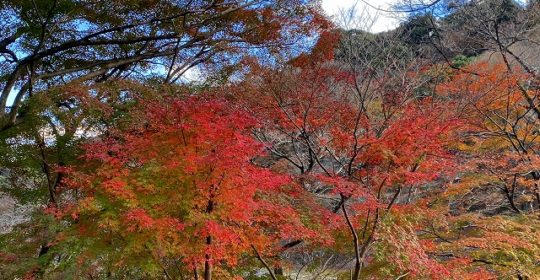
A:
x: 383, y: 21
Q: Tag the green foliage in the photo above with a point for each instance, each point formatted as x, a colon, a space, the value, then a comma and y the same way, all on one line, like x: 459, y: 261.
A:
x: 460, y: 61
x: 419, y: 29
x: 21, y: 247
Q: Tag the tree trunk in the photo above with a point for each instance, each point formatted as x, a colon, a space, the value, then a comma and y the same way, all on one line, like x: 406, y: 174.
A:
x: 358, y: 258
x: 259, y: 256
x: 195, y: 273
x: 207, y: 262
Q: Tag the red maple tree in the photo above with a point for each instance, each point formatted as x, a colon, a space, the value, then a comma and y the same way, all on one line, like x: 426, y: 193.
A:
x: 182, y: 185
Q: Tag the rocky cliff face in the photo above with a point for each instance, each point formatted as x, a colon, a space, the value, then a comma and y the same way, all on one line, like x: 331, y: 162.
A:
x: 12, y: 213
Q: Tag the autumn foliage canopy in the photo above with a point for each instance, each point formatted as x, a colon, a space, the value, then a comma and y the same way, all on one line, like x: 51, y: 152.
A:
x: 338, y: 160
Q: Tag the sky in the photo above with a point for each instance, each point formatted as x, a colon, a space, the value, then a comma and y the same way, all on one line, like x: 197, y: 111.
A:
x: 384, y: 21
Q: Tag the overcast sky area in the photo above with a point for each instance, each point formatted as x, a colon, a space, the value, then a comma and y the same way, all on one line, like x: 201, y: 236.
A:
x: 384, y: 21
